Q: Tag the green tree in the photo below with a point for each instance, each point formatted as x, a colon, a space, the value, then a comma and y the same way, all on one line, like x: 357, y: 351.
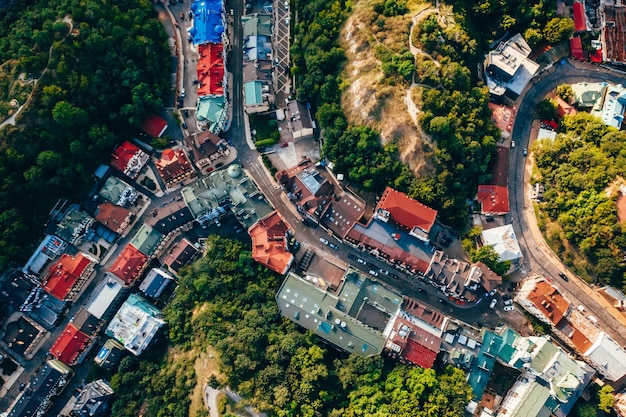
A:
x: 558, y: 29
x: 533, y: 36
x: 69, y: 116
x: 606, y: 399
x: 565, y: 92
x: 487, y: 255
x: 546, y: 109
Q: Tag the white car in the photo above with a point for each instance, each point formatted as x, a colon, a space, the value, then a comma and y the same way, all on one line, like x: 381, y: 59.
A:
x: 493, y: 303
x: 361, y: 261
x: 324, y: 241
x: 508, y: 302
x: 373, y: 273
x: 509, y: 308
x: 183, y: 93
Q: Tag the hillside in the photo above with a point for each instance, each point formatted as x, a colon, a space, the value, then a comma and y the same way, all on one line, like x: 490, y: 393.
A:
x: 373, y: 97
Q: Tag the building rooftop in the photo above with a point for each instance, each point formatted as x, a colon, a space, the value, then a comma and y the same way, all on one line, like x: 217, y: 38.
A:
x: 208, y: 21
x: 256, y: 24
x: 393, y: 244
x: 614, y: 105
x: 252, y: 91
x: 308, y: 189
x: 74, y: 226
x: 50, y: 247
x: 549, y: 301
x: 210, y: 69
x: 154, y: 125
x: 174, y: 166
x: 353, y: 321
x: 115, y: 218
x: 129, y: 264
x: 155, y: 282
x: 129, y: 159
x: 504, y: 242
x: 608, y: 356
x: 104, y: 295
x: 405, y: 212
x: 494, y: 199
x: 146, y: 240
x: 589, y: 95
x: 211, y: 110
x: 580, y: 19
x: 135, y: 324
x: 342, y: 214
x: 508, y: 68
x: 299, y: 115
x: 614, y: 32
x: 269, y: 243
x: 118, y: 192
x: 503, y: 117
x: 180, y: 254
x: 110, y: 355
x: 93, y: 400
x: 166, y: 219
x: 63, y: 279
x: 46, y: 383
x: 226, y: 189
x: 499, y: 167
x: 85, y: 322
x: 69, y: 345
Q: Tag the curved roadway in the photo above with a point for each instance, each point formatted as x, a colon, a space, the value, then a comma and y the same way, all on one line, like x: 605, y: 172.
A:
x: 539, y: 257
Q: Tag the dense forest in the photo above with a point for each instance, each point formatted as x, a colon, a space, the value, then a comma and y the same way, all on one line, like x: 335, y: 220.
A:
x: 226, y: 300
x: 582, y: 171
x: 99, y: 68
x: 455, y: 113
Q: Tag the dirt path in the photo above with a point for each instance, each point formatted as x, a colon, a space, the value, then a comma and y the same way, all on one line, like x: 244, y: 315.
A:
x: 414, y: 49
x: 11, y: 119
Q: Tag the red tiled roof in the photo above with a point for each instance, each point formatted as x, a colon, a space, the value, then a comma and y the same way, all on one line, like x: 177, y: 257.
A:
x: 494, y: 199
x: 549, y: 301
x: 576, y: 48
x: 580, y: 21
x: 173, y: 166
x: 122, y: 155
x: 564, y: 108
x: 614, y: 35
x: 405, y: 211
x: 129, y: 264
x: 418, y: 354
x: 112, y: 216
x: 180, y: 255
x: 269, y: 246
x: 210, y: 69
x: 499, y: 167
x: 154, y: 125
x: 69, y: 345
x: 64, y: 274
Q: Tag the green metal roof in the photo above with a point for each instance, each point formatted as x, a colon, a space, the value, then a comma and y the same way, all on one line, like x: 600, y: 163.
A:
x: 211, y: 110
x: 252, y: 93
x: 543, y: 356
x: 328, y: 316
x: 256, y: 24
x: 507, y: 351
x: 146, y: 240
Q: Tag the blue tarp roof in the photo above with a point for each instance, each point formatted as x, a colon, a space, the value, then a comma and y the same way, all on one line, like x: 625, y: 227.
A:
x: 208, y: 22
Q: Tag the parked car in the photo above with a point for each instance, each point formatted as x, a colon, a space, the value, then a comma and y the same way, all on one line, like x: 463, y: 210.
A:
x: 332, y: 245
x: 394, y: 276
x: 181, y: 15
x: 384, y: 271
x: 351, y: 256
x: 420, y: 290
x: 186, y: 113
x: 441, y: 301
x: 324, y: 241
x: 492, y: 292
x: 562, y: 275
x: 219, y: 165
x: 183, y: 93
x: 493, y: 303
x: 512, y: 144
x: 361, y: 261
x: 286, y: 5
x: 509, y: 308
x: 525, y: 151
x: 373, y: 273
x: 284, y: 145
x: 508, y: 302
x: 184, y: 125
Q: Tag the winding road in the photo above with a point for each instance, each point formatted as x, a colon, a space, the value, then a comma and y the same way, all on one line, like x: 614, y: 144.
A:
x: 539, y: 257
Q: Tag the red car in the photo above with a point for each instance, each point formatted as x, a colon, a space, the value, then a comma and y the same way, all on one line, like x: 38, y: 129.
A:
x: 284, y: 145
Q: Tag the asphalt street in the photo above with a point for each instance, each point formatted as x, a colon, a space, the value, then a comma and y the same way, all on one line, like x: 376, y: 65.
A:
x: 538, y: 256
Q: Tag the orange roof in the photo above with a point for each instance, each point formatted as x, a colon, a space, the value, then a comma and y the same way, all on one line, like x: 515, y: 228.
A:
x: 112, y: 216
x: 549, y: 301
x: 210, y: 69
x: 405, y: 211
x: 64, y: 274
x: 564, y: 108
x: 174, y: 165
x: 494, y: 199
x: 269, y: 246
x: 69, y: 345
x: 129, y: 264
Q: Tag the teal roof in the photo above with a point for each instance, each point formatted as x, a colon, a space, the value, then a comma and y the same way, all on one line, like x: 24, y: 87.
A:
x: 507, y: 351
x: 211, y: 110
x: 534, y: 401
x: 146, y: 240
x: 338, y: 319
x: 135, y: 300
x: 483, y: 364
x: 252, y: 93
x: 256, y: 24
x: 543, y: 356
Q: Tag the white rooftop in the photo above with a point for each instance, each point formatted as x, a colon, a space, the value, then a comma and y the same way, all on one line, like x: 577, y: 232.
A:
x: 608, y: 356
x: 104, y: 295
x: 504, y: 241
x: 135, y: 324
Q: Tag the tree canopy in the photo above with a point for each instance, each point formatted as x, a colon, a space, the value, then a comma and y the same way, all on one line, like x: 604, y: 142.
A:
x: 582, y: 170
x: 227, y: 301
x: 101, y: 79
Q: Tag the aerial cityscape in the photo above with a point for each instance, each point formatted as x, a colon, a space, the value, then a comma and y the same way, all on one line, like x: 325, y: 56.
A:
x: 313, y: 208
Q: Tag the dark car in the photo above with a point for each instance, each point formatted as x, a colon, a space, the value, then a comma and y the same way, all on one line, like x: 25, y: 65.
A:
x: 332, y: 245
x: 420, y: 290
x: 394, y: 276
x: 442, y: 301
x: 184, y: 125
x: 562, y: 275
x: 351, y: 256
x: 186, y: 113
x: 219, y: 165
